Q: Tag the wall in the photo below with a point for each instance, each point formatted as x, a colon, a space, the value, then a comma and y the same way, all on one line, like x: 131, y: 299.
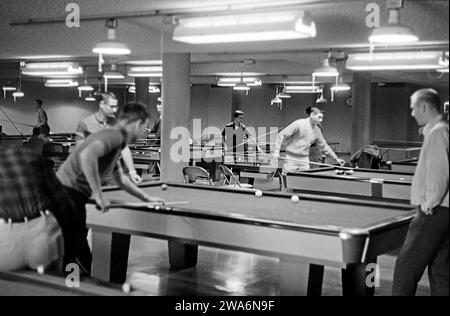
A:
x: 63, y: 106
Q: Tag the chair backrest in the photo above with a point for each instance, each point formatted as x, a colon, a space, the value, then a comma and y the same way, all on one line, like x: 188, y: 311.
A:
x: 229, y: 177
x: 368, y: 161
x: 192, y: 174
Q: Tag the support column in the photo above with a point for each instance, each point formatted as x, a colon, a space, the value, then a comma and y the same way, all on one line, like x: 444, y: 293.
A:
x: 175, y: 114
x: 361, y: 111
x: 142, y: 94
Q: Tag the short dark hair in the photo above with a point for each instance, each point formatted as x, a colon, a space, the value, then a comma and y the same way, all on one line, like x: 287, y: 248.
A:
x: 38, y: 101
x: 313, y: 109
x: 430, y: 97
x: 134, y: 111
x: 237, y: 113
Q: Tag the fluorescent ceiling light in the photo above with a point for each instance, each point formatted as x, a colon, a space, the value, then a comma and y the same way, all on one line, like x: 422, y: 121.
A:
x: 62, y: 69
x: 145, y: 62
x: 113, y: 74
x: 238, y: 74
x: 18, y: 94
x: 283, y: 95
x: 60, y: 83
x: 232, y: 81
x: 241, y: 86
x: 90, y: 98
x: 394, y: 33
x: 111, y: 46
x: 326, y: 70
x: 394, y: 61
x: 341, y: 86
x: 443, y: 62
x: 9, y: 88
x: 145, y: 71
x: 153, y: 89
x: 269, y: 26
x: 302, y: 89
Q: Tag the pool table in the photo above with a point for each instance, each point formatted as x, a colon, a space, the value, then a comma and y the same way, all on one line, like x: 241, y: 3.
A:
x: 317, y: 231
x: 407, y: 165
x: 377, y: 184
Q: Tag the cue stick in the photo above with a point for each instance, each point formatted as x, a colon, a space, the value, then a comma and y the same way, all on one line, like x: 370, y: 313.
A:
x: 318, y: 163
x: 121, y: 204
x: 20, y: 123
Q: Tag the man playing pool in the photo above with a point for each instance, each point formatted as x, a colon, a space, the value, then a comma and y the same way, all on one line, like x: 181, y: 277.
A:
x: 96, y: 159
x: 300, y: 136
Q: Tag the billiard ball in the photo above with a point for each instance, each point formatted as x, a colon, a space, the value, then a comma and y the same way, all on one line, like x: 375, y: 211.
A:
x: 336, y: 171
x: 40, y: 270
x: 295, y: 198
x: 126, y: 288
x: 349, y: 172
x: 258, y: 193
x: 339, y: 172
x: 164, y: 187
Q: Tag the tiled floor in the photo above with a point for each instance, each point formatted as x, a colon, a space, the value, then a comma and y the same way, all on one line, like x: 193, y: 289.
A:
x: 224, y: 273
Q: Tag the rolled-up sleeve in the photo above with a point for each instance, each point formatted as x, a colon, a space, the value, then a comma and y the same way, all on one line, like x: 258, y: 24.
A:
x: 437, y: 169
x: 286, y: 133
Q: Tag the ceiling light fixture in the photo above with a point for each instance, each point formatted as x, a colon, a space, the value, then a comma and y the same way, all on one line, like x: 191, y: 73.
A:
x: 395, y: 61
x: 302, y: 89
x: 85, y: 86
x: 267, y: 26
x: 90, y: 98
x: 145, y: 71
x: 60, y: 83
x: 52, y: 69
x: 18, y: 93
x: 110, y: 46
x: 394, y: 33
x: 321, y: 99
x: 153, y: 89
x: 443, y: 62
x: 7, y: 88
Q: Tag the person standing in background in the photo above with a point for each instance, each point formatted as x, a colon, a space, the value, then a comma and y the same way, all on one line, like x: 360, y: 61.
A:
x: 105, y: 116
x: 42, y: 118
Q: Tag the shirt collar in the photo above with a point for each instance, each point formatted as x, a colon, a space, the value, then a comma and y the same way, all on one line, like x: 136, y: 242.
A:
x: 431, y: 124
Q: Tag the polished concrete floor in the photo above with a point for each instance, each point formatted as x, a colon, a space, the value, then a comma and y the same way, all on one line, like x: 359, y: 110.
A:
x: 228, y: 273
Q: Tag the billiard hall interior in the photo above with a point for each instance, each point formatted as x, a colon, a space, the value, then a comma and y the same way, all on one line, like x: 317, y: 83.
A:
x: 221, y: 80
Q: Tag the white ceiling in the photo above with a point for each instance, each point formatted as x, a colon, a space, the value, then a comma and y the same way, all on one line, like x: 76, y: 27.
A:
x: 340, y: 24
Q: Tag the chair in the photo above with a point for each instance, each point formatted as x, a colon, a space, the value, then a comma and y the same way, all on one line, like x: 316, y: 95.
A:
x: 193, y: 174
x: 230, y: 180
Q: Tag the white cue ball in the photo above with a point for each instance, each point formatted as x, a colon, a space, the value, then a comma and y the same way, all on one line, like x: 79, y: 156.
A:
x: 336, y: 171
x: 40, y: 270
x: 126, y: 288
x: 164, y: 187
x: 258, y: 193
x: 295, y: 198
x: 349, y: 171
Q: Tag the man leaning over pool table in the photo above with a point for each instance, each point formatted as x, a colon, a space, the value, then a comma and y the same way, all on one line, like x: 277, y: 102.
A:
x: 97, y: 158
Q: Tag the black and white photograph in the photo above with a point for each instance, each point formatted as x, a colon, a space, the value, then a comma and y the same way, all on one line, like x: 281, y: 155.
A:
x: 222, y: 155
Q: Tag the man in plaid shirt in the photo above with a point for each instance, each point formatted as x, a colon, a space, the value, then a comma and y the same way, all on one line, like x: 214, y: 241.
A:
x: 33, y: 207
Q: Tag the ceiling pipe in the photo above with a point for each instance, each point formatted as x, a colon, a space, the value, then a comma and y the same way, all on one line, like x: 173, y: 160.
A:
x: 243, y: 7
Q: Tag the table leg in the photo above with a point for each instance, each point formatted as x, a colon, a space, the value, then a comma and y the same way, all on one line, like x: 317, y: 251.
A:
x: 110, y: 256
x: 300, y: 278
x: 182, y: 256
x: 355, y: 280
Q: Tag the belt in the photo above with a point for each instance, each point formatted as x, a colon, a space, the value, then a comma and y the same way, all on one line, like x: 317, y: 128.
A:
x: 4, y: 220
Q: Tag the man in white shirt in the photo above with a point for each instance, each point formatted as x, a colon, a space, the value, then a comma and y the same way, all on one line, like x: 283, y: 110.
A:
x: 427, y: 242
x: 300, y: 136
